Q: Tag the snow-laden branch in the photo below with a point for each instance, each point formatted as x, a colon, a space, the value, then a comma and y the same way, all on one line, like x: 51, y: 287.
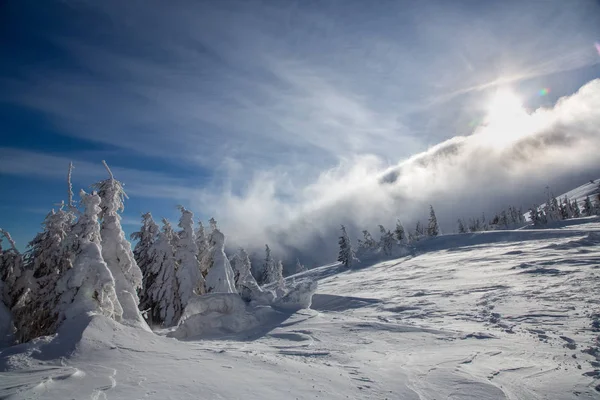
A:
x: 108, y: 170
x: 10, y: 239
x: 70, y: 185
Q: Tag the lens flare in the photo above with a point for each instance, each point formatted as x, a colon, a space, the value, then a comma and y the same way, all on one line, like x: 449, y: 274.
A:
x: 544, y: 92
x: 598, y: 47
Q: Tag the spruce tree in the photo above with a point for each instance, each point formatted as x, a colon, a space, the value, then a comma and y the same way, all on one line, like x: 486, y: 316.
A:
x: 146, y: 237
x: 399, y: 233
x: 116, y: 249
x: 220, y: 277
x: 88, y: 286
x: 189, y: 276
x: 299, y: 266
x: 268, y: 266
x: 368, y: 241
x: 48, y: 258
x: 202, y: 243
x: 386, y: 241
x: 432, y: 229
x: 588, y: 208
x: 461, y: 226
x: 164, y: 290
x: 346, y: 254
x: 575, y: 208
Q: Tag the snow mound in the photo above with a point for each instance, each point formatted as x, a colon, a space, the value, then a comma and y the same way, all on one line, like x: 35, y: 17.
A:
x: 215, y: 314
x: 298, y: 297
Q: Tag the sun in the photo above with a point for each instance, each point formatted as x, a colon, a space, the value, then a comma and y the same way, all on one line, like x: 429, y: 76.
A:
x: 506, y: 119
x: 505, y: 108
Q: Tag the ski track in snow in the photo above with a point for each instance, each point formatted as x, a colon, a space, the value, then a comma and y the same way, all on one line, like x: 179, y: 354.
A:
x: 515, y: 318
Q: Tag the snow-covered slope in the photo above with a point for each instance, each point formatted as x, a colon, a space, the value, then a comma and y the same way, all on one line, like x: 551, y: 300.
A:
x: 493, y: 315
x: 591, y: 188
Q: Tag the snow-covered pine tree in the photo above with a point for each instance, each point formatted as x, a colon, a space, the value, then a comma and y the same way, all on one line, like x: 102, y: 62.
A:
x: 202, y: 243
x: 242, y: 267
x: 47, y: 258
x: 189, y: 276
x: 88, y: 286
x: 268, y: 266
x: 419, y: 231
x: 386, y: 241
x: 575, y: 208
x: 521, y: 215
x: 368, y: 243
x: 461, y: 226
x: 245, y: 284
x: 552, y: 210
x: 116, y: 249
x: 432, y: 229
x: 564, y: 209
x: 534, y: 215
x: 299, y: 266
x: 346, y: 254
x: 588, y: 208
x: 142, y: 253
x: 278, y: 278
x: 220, y: 277
x: 399, y: 233
x: 206, y: 262
x: 504, y: 221
x: 164, y: 290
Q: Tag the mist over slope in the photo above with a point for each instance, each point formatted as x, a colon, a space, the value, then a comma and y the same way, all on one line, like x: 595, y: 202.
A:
x: 503, y: 162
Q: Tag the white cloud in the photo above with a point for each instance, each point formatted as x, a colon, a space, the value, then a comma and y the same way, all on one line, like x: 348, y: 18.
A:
x: 460, y: 177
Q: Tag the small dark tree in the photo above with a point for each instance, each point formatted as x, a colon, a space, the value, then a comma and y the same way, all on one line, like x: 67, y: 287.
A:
x: 399, y: 232
x: 386, y: 242
x: 346, y: 255
x: 575, y: 208
x: 432, y: 229
x: 588, y: 208
x: 461, y: 227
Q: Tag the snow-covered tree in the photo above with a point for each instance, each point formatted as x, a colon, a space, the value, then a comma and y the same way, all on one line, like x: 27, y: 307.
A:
x: 164, y: 290
x: 88, y: 286
x: 47, y: 259
x: 418, y: 233
x: 278, y: 278
x: 206, y: 260
x: 245, y: 283
x: 432, y: 229
x: 588, y: 207
x: 461, y: 226
x: 399, y: 232
x: 386, y: 241
x: 220, y: 277
x: 368, y: 243
x: 268, y: 266
x: 202, y: 243
x: 11, y: 270
x: 142, y: 253
x: 504, y: 221
x: 299, y: 266
x: 346, y: 254
x: 116, y: 249
x: 242, y: 267
x: 575, y: 208
x: 189, y: 276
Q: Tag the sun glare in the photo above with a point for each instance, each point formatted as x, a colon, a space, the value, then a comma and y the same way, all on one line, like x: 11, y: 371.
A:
x: 504, y: 107
x: 506, y: 119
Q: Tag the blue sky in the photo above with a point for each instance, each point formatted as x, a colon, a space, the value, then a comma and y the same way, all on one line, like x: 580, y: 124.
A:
x: 249, y: 110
